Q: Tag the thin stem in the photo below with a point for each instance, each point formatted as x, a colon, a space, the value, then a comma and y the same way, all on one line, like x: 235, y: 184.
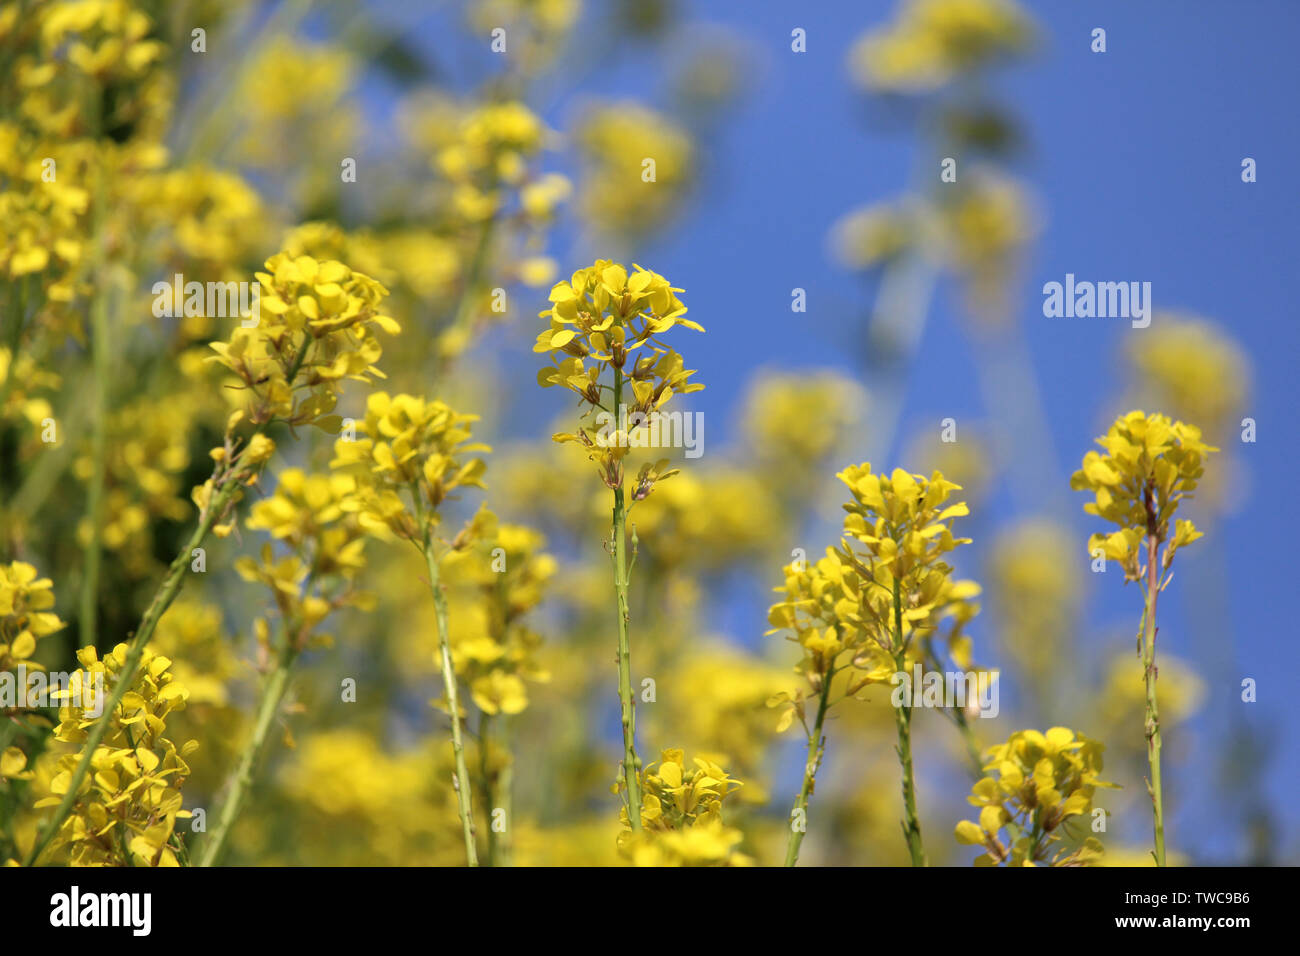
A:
x: 631, y: 764
x: 461, y: 782
x: 1152, y: 711
x: 87, y: 618
x: 903, y: 718
x: 492, y: 735
x: 816, y: 749
x: 242, y: 781
x: 162, y: 600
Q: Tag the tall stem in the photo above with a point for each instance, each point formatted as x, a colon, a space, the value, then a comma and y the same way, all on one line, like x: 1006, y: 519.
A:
x: 87, y: 618
x: 242, y: 782
x: 631, y: 764
x: 1152, y: 711
x: 461, y: 783
x: 162, y: 600
x: 903, y: 718
x: 816, y: 748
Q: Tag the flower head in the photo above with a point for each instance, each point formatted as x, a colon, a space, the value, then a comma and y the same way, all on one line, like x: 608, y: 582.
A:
x: 1149, y: 465
x: 1034, y: 785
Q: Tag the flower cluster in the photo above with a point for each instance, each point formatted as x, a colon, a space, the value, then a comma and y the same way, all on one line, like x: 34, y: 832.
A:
x: 599, y: 320
x: 1035, y: 783
x: 1150, y: 464
x: 411, y: 444
x: 316, y: 516
x: 844, y: 602
x: 491, y: 151
x: 681, y: 812
x: 25, y: 601
x: 126, y: 811
x: 316, y: 329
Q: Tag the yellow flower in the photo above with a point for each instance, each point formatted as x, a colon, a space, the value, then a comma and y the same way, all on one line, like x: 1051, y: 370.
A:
x: 1034, y: 785
x: 681, y: 815
x: 1149, y: 465
x: 603, y: 318
x: 410, y: 444
x: 25, y: 601
x: 126, y: 810
x: 315, y: 328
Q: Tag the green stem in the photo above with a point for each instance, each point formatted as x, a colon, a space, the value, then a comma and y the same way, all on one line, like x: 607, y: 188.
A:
x: 816, y: 748
x: 87, y: 619
x: 492, y: 734
x: 461, y: 783
x: 242, y: 782
x: 1152, y: 711
x: 162, y: 600
x: 903, y: 719
x: 631, y: 764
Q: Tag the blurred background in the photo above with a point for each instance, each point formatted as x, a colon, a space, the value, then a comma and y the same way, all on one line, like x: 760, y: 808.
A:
x: 853, y: 303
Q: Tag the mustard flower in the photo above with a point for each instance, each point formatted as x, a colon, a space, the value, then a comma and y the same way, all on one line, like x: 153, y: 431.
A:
x: 316, y: 517
x: 681, y: 815
x: 867, y: 600
x: 1150, y: 465
x: 620, y: 195
x: 604, y: 318
x: 315, y: 330
x: 125, y: 811
x: 417, y: 447
x: 25, y: 600
x: 1035, y: 785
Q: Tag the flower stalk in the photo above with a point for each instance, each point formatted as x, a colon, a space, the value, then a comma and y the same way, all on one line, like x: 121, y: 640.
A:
x: 461, y: 783
x: 627, y: 706
x: 277, y: 685
x: 903, y: 720
x: 1152, y: 718
x: 816, y: 750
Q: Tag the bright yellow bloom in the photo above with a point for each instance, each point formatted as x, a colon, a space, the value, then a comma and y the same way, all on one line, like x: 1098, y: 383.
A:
x: 1034, y: 785
x: 315, y: 329
x: 681, y: 815
x: 603, y: 318
x: 126, y: 812
x: 1149, y: 465
x: 411, y: 445
x: 25, y: 617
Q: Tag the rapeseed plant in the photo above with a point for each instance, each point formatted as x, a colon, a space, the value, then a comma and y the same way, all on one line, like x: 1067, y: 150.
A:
x: 600, y: 320
x: 315, y: 516
x: 868, y: 600
x: 416, y: 447
x: 315, y: 330
x: 1149, y: 466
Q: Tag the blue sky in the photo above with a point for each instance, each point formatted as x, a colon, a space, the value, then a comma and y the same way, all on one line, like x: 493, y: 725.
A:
x: 1135, y: 157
